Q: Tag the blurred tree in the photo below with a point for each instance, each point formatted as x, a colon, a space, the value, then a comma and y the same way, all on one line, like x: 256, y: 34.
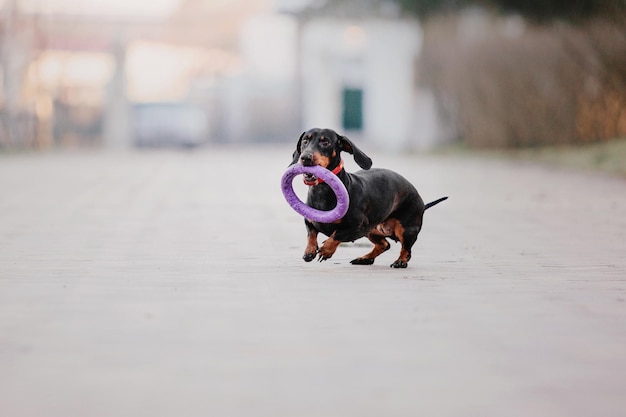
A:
x: 424, y: 8
x: 545, y: 10
x: 540, y: 10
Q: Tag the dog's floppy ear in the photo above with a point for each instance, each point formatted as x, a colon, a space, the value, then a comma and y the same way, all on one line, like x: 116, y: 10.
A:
x: 296, y: 153
x: 360, y: 158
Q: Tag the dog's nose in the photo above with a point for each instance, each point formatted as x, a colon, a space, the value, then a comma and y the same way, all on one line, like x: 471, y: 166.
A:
x: 306, y: 159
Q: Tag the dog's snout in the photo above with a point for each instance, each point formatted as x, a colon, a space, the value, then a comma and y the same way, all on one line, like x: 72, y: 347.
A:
x: 306, y: 159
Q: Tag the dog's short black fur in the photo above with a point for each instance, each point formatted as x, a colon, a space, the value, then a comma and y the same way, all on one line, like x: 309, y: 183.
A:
x: 382, y: 203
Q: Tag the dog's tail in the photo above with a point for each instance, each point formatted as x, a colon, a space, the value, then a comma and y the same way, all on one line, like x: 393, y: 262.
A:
x: 432, y: 203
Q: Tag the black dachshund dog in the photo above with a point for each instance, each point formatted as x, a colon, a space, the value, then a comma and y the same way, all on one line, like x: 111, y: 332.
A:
x: 382, y: 203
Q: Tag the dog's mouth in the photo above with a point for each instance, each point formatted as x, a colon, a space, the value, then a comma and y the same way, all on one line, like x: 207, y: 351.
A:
x: 309, y: 177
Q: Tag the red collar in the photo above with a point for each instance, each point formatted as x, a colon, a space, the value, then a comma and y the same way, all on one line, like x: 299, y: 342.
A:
x: 317, y: 181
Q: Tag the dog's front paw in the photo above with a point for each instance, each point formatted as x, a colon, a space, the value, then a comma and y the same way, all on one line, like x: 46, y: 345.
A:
x: 328, y: 249
x: 309, y: 256
x: 324, y: 256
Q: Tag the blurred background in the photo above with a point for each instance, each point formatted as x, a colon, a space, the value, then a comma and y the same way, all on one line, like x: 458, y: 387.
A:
x: 405, y: 74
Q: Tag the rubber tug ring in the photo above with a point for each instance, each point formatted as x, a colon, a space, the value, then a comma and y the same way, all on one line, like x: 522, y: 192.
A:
x: 321, y: 216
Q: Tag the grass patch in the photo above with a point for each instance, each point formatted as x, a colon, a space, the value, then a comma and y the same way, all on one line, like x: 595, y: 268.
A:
x: 608, y: 157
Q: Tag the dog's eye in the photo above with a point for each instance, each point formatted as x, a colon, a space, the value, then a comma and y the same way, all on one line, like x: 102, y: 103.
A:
x: 305, y: 142
x: 324, y: 143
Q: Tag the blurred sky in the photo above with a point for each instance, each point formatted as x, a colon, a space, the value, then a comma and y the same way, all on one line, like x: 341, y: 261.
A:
x: 136, y: 8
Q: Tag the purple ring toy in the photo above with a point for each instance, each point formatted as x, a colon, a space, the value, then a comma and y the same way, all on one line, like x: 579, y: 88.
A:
x: 321, y: 216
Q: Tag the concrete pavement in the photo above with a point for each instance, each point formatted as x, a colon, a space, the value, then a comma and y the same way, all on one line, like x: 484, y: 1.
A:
x: 171, y: 284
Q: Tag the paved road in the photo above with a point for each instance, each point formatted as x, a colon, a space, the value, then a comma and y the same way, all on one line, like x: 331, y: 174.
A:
x: 170, y: 284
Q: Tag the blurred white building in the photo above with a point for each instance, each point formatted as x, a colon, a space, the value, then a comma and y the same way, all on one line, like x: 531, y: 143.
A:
x: 359, y: 77
x: 355, y: 75
x: 357, y: 72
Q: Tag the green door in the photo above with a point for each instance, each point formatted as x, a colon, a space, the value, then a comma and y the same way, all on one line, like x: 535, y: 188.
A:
x: 352, y: 109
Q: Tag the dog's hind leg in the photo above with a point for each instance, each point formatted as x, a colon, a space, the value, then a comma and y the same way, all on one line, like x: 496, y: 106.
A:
x: 407, y: 237
x: 380, y: 245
